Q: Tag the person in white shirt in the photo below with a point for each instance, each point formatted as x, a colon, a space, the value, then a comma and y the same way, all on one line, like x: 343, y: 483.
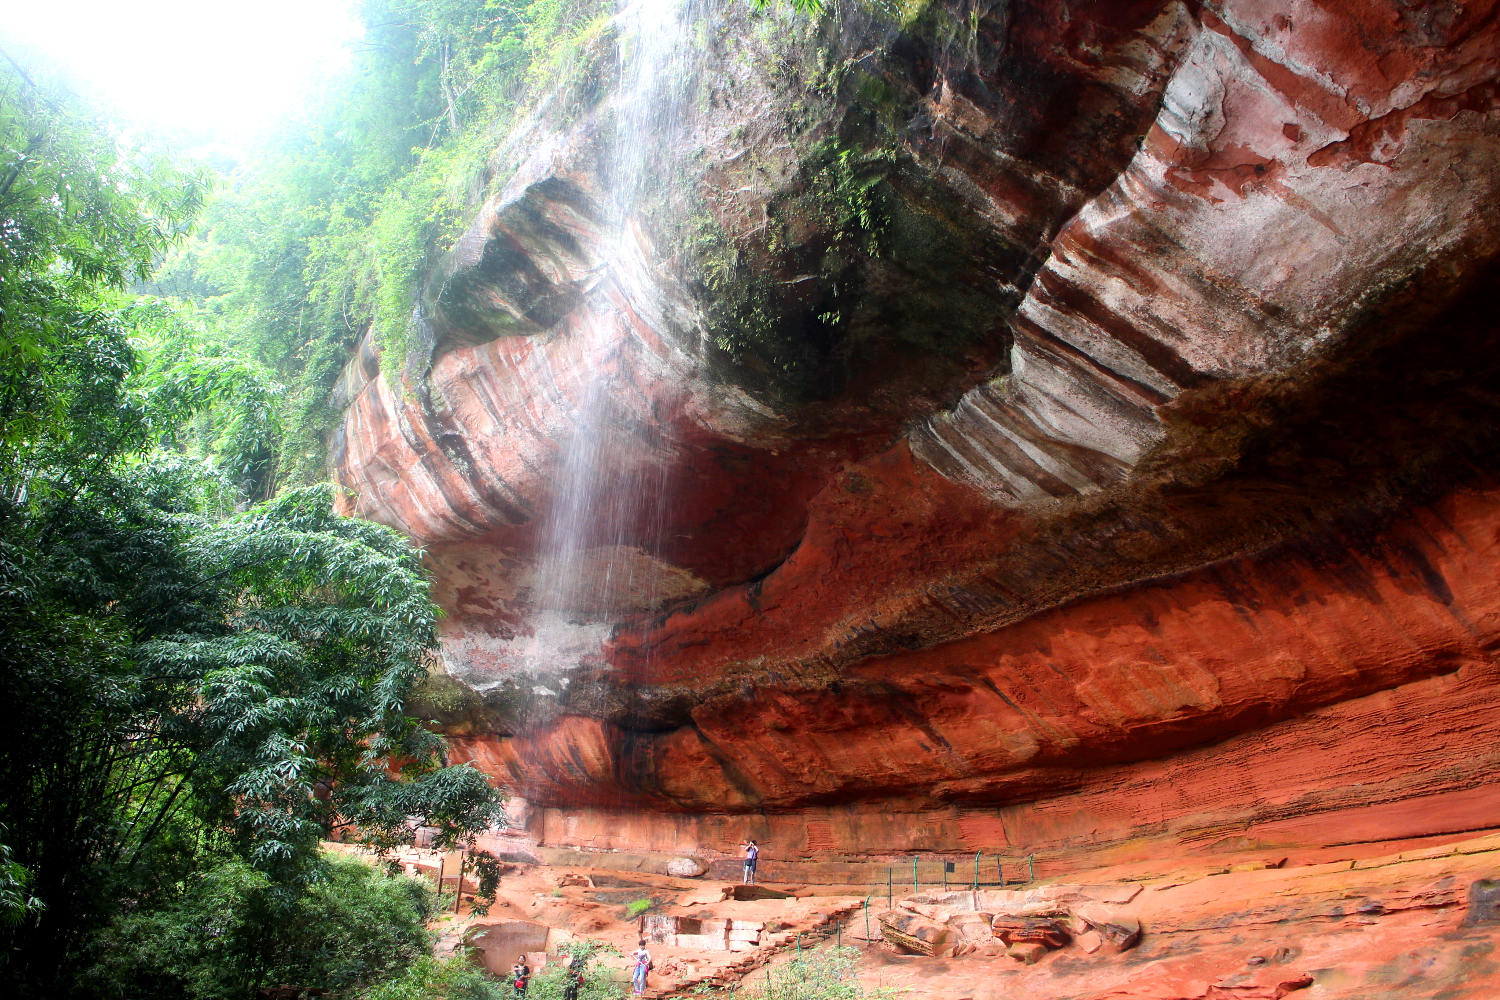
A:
x: 752, y: 854
x: 642, y: 966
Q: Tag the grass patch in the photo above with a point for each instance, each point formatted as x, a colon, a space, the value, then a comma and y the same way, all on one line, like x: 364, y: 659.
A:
x: 825, y: 974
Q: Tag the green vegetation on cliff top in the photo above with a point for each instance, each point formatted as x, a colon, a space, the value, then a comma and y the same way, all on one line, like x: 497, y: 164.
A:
x: 327, y: 229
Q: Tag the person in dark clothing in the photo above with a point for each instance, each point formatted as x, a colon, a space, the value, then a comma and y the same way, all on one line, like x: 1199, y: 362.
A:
x: 752, y: 855
x: 520, y: 975
x: 573, y: 982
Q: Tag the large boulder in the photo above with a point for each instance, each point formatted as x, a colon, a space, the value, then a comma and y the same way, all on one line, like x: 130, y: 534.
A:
x: 1123, y: 930
x: 969, y: 932
x: 685, y: 868
x: 913, y: 932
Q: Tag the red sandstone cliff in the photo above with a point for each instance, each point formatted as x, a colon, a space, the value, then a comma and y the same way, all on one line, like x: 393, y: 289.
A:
x: 1062, y: 423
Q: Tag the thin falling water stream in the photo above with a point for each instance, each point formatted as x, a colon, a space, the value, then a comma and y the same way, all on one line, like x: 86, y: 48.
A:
x: 597, y: 562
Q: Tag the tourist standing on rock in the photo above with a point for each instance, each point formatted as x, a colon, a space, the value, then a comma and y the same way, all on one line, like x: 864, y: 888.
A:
x: 752, y: 854
x: 642, y: 966
x: 520, y: 974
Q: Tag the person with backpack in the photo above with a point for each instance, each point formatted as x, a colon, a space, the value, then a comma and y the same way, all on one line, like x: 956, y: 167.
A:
x: 573, y: 981
x: 642, y: 966
x: 520, y: 975
x: 752, y: 855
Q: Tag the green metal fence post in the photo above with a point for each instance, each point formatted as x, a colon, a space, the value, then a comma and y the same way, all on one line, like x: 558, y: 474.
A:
x: 976, y: 871
x: 1000, y: 871
x: 1031, y: 867
x: 916, y: 885
x: 867, y: 921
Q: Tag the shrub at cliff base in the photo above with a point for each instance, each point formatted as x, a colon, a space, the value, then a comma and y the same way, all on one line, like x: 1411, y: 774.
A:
x: 454, y: 978
x: 825, y: 974
x: 598, y: 982
x: 232, y: 929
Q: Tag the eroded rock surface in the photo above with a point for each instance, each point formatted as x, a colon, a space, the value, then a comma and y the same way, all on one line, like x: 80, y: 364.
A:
x: 1019, y: 424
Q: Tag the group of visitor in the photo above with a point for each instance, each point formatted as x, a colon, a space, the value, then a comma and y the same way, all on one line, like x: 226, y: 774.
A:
x: 642, y: 956
x: 521, y: 972
x: 520, y: 975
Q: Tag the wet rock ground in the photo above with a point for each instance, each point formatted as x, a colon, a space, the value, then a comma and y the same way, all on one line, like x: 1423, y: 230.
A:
x: 539, y: 908
x: 1420, y: 921
x: 1400, y: 925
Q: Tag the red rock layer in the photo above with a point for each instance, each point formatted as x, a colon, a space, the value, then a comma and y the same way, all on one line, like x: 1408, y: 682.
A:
x: 1053, y: 705
x: 1415, y: 762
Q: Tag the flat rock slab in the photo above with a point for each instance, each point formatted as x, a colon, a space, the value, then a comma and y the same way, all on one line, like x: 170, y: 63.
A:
x: 623, y: 896
x: 746, y: 893
x: 500, y: 942
x: 615, y: 882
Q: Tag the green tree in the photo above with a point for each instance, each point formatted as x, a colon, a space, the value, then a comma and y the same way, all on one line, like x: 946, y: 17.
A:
x: 192, y: 682
x: 16, y: 901
x: 229, y: 930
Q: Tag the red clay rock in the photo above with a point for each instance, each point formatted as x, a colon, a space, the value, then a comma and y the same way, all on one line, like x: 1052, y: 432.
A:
x: 1014, y: 930
x: 1027, y: 952
x: 1249, y: 150
x: 913, y: 932
x: 1030, y: 709
x: 1119, y: 929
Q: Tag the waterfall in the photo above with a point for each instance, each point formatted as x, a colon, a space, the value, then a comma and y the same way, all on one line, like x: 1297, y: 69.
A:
x: 609, y: 505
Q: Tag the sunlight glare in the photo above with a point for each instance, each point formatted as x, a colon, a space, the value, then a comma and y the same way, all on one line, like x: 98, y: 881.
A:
x: 211, y: 68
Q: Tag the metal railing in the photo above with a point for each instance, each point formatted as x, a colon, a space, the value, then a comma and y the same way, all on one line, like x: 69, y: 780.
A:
x: 1023, y: 867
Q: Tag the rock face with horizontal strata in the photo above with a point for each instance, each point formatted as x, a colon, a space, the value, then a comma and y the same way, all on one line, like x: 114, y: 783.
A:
x: 1076, y: 422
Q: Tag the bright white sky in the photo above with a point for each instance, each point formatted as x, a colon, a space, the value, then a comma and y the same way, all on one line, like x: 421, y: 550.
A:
x: 211, y: 66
